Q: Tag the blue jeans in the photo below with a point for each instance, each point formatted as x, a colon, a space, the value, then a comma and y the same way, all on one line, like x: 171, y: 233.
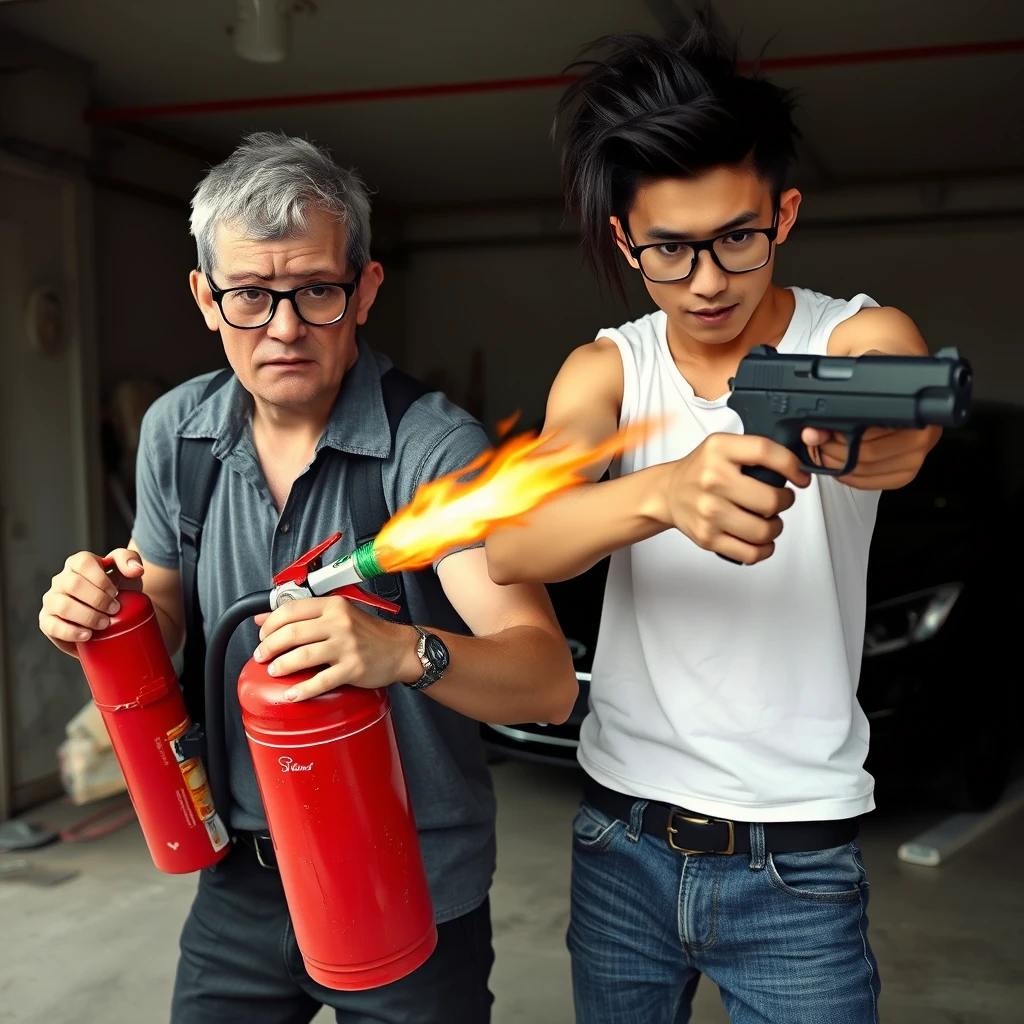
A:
x: 784, y: 936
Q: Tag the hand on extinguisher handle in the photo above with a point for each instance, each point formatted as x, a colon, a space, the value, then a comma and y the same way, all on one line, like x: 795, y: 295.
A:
x: 766, y: 476
x: 84, y: 594
x: 124, y: 566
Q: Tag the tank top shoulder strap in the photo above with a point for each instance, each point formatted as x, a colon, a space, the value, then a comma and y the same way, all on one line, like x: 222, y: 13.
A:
x: 816, y: 316
x: 637, y: 343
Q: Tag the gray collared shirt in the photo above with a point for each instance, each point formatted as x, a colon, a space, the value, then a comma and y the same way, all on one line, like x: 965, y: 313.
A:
x: 246, y: 541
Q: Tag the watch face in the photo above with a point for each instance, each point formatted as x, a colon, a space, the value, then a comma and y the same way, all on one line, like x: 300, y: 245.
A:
x: 436, y: 651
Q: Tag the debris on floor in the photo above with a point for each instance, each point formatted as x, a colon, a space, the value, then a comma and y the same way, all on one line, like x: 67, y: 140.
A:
x: 21, y: 870
x: 23, y: 835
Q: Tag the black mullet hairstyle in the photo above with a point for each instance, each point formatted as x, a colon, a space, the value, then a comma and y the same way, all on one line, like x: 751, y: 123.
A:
x: 661, y: 108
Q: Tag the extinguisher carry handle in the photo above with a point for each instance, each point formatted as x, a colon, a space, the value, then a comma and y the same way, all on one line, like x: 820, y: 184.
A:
x: 216, y: 651
x: 352, y: 592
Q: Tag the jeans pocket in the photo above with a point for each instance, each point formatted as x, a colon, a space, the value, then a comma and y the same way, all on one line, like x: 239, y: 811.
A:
x: 823, y: 876
x: 593, y: 831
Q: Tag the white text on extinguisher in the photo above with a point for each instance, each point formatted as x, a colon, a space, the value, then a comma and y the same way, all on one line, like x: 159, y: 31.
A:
x: 289, y: 765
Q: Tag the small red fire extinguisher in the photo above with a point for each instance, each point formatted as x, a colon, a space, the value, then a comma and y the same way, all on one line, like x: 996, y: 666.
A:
x: 331, y: 780
x: 135, y: 688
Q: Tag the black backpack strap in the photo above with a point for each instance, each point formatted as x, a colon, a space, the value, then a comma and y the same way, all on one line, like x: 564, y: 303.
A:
x: 198, y: 470
x: 366, y: 484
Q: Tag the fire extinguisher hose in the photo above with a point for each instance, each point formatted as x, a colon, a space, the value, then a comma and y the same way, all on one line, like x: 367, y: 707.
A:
x: 216, y: 650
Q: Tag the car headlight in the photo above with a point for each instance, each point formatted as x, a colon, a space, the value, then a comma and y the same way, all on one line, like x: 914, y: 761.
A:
x: 577, y: 647
x: 910, y: 619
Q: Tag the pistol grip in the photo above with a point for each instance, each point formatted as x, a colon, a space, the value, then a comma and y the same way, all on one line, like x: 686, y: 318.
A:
x: 766, y: 476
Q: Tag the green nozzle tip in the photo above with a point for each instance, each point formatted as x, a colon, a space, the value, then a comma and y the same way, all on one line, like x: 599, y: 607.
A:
x: 366, y: 561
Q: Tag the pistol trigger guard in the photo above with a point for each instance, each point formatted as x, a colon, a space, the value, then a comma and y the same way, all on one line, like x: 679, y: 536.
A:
x: 807, y: 464
x: 852, y: 451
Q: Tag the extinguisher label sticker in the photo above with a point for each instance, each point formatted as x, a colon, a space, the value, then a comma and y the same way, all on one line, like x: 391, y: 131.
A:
x: 201, y: 804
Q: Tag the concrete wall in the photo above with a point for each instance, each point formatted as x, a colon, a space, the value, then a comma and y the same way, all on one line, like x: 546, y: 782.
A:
x: 149, y: 326
x: 514, y: 283
x: 484, y: 304
x: 48, y: 455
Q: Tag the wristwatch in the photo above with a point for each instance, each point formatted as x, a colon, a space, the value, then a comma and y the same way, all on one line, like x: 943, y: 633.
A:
x: 434, y: 658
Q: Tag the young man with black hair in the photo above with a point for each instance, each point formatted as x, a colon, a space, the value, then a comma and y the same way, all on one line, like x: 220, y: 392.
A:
x: 724, y: 746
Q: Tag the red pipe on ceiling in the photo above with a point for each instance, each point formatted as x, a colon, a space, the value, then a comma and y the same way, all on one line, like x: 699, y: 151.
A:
x: 401, y: 92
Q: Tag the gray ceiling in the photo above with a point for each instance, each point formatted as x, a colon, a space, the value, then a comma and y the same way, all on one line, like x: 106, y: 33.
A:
x: 902, y: 117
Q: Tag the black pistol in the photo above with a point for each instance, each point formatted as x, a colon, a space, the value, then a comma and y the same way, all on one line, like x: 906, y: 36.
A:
x: 778, y: 395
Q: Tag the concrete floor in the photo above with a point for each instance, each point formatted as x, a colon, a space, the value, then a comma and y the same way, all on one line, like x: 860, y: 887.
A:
x: 101, y: 948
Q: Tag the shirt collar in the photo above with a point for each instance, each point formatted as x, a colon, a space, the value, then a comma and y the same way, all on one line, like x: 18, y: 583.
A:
x: 358, y: 423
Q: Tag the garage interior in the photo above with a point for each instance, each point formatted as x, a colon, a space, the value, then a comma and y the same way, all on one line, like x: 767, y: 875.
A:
x: 911, y: 164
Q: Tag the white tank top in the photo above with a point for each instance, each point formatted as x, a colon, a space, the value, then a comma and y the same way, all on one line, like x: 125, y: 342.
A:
x: 730, y: 689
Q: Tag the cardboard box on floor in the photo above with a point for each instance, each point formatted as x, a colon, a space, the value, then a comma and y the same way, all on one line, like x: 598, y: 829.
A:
x: 88, y: 768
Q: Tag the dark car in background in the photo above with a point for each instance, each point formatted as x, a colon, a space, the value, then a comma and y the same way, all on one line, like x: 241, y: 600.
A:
x: 940, y: 680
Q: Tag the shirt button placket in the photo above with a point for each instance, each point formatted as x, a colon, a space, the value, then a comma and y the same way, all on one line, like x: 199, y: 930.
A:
x: 281, y: 553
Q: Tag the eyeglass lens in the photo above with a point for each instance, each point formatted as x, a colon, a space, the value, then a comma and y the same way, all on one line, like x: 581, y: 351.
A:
x: 738, y: 252
x: 317, y: 304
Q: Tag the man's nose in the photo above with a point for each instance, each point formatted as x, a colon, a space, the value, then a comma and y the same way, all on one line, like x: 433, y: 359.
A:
x: 286, y: 325
x: 708, y: 278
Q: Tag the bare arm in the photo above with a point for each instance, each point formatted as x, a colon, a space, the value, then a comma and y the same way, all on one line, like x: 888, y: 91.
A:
x: 517, y: 666
x: 888, y: 459
x: 569, y: 534
x: 163, y: 588
x: 704, y: 494
x: 880, y: 329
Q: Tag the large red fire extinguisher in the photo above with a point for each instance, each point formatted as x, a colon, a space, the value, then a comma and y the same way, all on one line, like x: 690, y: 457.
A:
x: 334, y: 791
x: 329, y: 773
x: 135, y: 688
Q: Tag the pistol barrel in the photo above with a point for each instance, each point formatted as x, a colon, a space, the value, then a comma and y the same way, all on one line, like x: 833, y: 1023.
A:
x: 893, y: 391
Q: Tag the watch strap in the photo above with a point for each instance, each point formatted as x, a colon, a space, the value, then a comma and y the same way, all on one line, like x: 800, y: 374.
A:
x: 428, y: 678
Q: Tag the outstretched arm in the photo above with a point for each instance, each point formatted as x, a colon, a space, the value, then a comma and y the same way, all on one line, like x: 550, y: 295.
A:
x: 516, y: 667
x: 704, y: 495
x: 888, y: 459
x: 567, y: 535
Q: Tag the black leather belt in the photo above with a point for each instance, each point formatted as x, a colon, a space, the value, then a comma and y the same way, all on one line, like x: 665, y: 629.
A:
x: 688, y: 831
x: 262, y: 845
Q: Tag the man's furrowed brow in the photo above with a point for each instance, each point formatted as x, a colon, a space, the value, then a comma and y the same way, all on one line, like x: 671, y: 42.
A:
x: 661, y: 234
x: 303, y: 275
x: 247, y: 275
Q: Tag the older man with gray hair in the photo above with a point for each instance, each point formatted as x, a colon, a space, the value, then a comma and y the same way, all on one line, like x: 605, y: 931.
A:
x: 285, y: 277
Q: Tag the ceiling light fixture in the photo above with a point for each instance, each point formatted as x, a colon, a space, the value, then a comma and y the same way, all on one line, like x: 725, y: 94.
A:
x: 262, y: 30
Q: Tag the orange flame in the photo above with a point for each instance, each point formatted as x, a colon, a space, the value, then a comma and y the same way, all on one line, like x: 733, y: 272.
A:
x: 514, y: 479
x: 504, y: 427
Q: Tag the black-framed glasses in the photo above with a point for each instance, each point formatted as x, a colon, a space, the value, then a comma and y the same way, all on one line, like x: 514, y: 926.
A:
x: 736, y: 252
x: 250, y: 306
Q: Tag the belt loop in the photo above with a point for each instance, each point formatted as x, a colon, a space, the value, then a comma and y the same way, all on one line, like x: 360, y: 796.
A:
x: 757, y: 853
x: 636, y: 820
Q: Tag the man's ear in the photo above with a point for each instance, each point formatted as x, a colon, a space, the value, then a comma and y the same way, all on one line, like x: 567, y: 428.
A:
x: 789, y: 203
x: 619, y: 234
x: 370, y: 281
x: 204, y: 299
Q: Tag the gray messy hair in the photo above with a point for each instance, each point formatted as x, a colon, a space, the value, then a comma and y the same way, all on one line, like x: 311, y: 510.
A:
x: 267, y: 186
